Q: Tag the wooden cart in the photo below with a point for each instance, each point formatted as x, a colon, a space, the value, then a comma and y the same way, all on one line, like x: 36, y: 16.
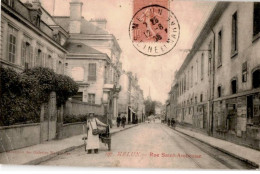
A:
x: 104, y: 136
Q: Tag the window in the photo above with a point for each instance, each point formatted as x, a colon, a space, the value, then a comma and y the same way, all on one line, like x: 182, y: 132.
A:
x: 234, y: 86
x: 91, y: 98
x: 59, y: 67
x: 209, y: 56
x: 256, y: 28
x: 27, y: 55
x: 244, y: 72
x: 184, y: 82
x: 219, y: 48
x: 12, y: 34
x: 38, y: 58
x: 92, y: 72
x: 49, y: 62
x: 106, y: 75
x: 202, y: 66
x: 201, y: 97
x: 234, y: 34
x: 191, y: 76
x: 188, y: 75
x: 23, y: 53
x: 256, y: 79
x: 219, y: 91
x: 78, y: 96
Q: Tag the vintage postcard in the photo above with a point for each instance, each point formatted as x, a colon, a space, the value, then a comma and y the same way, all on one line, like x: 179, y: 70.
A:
x: 169, y: 84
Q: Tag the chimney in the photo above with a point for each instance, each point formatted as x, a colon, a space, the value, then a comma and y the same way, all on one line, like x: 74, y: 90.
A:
x: 75, y: 16
x: 101, y: 23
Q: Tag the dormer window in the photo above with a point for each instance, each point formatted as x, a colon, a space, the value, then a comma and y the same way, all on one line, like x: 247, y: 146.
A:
x: 79, y: 46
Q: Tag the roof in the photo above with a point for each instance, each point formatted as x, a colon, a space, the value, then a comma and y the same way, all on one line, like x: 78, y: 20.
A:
x: 80, y: 48
x: 86, y: 26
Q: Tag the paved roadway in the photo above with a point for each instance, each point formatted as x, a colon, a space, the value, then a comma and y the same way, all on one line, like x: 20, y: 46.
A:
x: 151, y: 145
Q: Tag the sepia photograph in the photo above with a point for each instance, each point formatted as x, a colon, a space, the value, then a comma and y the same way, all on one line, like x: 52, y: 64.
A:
x: 130, y: 84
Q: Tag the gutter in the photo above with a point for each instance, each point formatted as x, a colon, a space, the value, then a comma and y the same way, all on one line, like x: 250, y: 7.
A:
x: 213, y: 82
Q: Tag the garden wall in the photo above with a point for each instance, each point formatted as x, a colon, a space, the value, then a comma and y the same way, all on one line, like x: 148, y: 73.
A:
x: 74, y: 107
x: 19, y: 136
x: 72, y: 129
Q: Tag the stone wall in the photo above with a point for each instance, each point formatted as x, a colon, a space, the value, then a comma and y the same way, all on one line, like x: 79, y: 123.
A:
x: 72, y: 129
x: 74, y: 107
x: 19, y: 136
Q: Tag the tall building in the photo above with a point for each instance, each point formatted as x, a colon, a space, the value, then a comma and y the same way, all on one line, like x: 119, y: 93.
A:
x: 218, y: 85
x: 30, y: 37
x: 131, y: 100
x: 93, y: 59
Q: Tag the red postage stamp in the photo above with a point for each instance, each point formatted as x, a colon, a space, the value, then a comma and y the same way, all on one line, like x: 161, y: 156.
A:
x: 154, y: 29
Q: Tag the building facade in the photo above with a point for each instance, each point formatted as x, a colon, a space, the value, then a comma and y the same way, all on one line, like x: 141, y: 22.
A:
x: 93, y: 60
x: 217, y: 87
x: 30, y: 37
x: 131, y: 98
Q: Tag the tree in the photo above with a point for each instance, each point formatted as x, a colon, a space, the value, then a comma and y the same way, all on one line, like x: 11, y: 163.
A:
x: 149, y: 107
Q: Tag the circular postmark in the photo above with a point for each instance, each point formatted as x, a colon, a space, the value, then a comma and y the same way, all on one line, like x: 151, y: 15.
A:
x: 154, y: 30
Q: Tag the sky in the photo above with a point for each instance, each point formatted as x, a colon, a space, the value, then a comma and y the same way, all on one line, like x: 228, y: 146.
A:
x: 156, y: 73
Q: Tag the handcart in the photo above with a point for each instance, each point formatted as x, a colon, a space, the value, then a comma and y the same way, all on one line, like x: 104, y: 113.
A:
x: 104, y: 135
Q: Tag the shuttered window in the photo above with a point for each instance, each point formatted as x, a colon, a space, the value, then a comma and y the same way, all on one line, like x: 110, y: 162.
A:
x: 219, y: 63
x: 234, y: 34
x: 92, y: 72
x: 23, y: 53
x: 202, y: 66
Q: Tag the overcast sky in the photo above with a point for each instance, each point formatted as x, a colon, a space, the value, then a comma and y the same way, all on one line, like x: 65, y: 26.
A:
x: 154, y: 72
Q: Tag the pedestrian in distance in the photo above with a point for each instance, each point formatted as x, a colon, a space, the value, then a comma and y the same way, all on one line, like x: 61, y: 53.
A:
x: 172, y: 120
x: 93, y: 134
x: 123, y: 121
x: 173, y: 123
x: 118, y: 120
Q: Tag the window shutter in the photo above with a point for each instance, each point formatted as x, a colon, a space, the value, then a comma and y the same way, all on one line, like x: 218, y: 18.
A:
x: 23, y: 53
x: 57, y: 67
x: 30, y: 57
x: 92, y: 72
x: 36, y: 57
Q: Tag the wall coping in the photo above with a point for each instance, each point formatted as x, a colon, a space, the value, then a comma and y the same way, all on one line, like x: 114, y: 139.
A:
x: 68, y: 124
x: 85, y: 103
x: 19, y: 125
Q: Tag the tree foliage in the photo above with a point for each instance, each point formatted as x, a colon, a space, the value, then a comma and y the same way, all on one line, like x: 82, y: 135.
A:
x: 22, y: 94
x: 149, y: 107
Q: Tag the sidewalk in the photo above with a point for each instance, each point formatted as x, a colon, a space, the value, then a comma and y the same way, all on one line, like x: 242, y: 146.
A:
x: 243, y: 153
x: 47, y: 150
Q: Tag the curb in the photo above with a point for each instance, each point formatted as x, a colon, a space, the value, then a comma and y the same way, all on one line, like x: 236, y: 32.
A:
x: 222, y: 150
x: 48, y: 157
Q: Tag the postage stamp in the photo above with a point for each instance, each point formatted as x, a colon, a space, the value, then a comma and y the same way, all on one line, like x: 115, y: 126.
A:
x: 154, y: 29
